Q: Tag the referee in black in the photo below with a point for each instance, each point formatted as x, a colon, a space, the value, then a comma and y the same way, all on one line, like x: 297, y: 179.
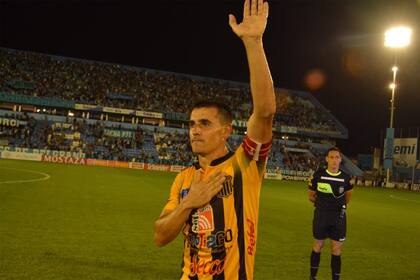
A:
x: 330, y: 191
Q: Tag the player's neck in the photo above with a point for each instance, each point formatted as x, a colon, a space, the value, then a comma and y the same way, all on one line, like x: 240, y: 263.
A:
x: 205, y: 160
x: 333, y: 170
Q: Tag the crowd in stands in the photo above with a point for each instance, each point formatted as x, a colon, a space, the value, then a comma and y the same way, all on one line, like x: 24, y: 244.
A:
x: 113, y: 85
x: 17, y: 135
x: 300, y: 112
x: 173, y: 148
x: 152, y: 145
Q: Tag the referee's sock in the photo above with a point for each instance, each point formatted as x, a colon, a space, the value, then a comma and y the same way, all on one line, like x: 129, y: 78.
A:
x: 335, y: 267
x: 315, y: 258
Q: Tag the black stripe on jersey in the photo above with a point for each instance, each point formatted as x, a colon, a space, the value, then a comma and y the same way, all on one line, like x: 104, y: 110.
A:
x: 261, y: 166
x: 193, y: 252
x: 219, y: 226
x: 193, y: 277
x: 239, y: 209
x: 183, y: 263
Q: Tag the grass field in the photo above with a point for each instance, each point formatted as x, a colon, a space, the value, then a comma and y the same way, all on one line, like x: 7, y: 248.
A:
x: 77, y: 222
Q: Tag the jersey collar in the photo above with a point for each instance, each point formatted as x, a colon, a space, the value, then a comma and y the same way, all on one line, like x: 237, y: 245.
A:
x: 214, y: 162
x: 333, y: 174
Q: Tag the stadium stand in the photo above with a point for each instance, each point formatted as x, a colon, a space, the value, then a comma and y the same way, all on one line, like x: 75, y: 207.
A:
x: 115, y: 112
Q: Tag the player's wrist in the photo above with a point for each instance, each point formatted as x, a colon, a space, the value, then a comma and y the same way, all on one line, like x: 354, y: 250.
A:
x: 252, y: 42
x: 186, y: 204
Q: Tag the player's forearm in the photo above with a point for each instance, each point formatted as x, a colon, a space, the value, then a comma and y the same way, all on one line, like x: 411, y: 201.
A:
x: 168, y: 227
x: 262, y: 89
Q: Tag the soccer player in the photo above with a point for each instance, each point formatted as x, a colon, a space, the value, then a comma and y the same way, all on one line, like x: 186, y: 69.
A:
x: 215, y: 202
x: 330, y: 190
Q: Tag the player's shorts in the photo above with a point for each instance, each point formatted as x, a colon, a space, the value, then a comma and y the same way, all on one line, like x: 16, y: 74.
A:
x: 329, y: 224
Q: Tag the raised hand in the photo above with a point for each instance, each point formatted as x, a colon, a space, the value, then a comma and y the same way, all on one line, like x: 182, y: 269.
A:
x: 202, y: 191
x: 254, y: 20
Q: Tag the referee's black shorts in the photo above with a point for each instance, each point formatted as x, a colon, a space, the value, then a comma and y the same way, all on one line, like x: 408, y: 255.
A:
x: 329, y: 224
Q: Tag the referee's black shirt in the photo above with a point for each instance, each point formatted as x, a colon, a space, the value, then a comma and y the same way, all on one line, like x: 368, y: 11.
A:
x: 330, y: 189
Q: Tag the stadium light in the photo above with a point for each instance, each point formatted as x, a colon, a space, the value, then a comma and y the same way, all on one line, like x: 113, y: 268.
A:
x: 395, y: 38
x: 398, y: 37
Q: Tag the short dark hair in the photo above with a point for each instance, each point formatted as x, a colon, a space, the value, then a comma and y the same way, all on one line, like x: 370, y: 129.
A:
x: 333, y: 149
x: 221, y: 107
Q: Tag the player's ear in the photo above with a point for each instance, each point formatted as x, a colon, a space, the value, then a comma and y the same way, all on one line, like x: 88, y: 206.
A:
x: 228, y: 130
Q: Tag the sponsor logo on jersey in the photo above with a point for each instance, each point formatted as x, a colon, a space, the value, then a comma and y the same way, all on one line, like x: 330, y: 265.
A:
x: 251, y: 237
x: 202, y: 220
x: 324, y: 188
x: 206, y: 267
x: 210, y: 241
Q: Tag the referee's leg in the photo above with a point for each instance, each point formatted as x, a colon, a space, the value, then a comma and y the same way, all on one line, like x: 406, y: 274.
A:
x: 320, y: 234
x: 337, y: 239
x: 336, y: 259
x: 316, y: 257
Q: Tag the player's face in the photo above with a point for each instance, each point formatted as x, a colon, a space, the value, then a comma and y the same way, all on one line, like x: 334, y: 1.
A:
x: 207, y: 131
x: 333, y: 160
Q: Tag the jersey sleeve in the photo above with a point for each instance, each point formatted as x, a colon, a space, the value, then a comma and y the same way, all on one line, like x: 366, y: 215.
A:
x: 173, y: 200
x: 349, y: 185
x: 312, y: 183
x: 256, y: 151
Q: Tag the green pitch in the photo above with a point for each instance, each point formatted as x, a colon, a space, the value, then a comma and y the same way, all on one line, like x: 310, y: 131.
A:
x: 77, y: 222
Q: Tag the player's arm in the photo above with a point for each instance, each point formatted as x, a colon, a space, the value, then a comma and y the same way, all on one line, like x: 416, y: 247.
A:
x: 170, y: 222
x: 250, y: 30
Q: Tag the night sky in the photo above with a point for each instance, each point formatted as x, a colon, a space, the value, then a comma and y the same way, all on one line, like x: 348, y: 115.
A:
x: 341, y: 39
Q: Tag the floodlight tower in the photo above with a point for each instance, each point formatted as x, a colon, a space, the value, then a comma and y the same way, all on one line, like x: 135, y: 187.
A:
x: 396, y: 38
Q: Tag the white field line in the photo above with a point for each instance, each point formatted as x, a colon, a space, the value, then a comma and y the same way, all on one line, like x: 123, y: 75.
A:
x: 403, y: 199
x: 44, y: 177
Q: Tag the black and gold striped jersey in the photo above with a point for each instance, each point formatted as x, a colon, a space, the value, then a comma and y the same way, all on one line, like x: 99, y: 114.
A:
x: 220, y: 238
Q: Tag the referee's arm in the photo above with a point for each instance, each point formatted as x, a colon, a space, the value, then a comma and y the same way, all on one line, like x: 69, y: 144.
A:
x: 312, y: 189
x: 348, y: 196
x: 312, y: 196
x: 349, y: 191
